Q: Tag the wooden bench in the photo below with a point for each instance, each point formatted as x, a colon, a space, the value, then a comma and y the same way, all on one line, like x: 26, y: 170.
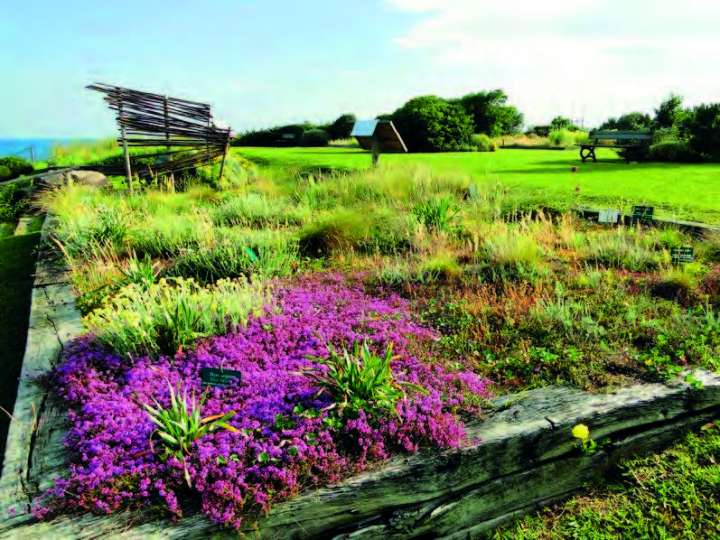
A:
x: 613, y: 139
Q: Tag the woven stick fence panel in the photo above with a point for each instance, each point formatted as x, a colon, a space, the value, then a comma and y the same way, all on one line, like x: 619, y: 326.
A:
x: 184, y: 128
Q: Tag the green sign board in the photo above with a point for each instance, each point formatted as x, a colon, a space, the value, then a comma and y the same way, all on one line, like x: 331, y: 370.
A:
x: 642, y: 214
x: 219, y: 377
x: 682, y: 255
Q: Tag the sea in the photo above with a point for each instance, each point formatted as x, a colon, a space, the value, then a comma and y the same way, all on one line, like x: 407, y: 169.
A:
x: 37, y: 149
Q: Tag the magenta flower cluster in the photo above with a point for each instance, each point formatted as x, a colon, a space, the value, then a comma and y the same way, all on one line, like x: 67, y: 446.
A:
x: 285, y: 441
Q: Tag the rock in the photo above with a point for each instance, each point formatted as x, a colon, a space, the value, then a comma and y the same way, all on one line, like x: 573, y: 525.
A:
x: 88, y: 178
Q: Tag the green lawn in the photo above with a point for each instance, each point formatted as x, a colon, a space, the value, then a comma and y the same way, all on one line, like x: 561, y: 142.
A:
x: 17, y: 264
x: 680, y: 191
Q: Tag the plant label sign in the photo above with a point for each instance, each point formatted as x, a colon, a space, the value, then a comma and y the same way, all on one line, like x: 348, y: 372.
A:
x: 609, y: 216
x: 682, y: 255
x: 642, y: 214
x: 219, y: 377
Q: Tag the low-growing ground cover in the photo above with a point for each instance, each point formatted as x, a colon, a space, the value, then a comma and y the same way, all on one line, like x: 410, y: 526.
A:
x: 681, y: 191
x: 380, y: 303
x: 295, y: 418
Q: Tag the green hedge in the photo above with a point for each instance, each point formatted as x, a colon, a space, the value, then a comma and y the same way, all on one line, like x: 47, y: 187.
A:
x: 12, y: 167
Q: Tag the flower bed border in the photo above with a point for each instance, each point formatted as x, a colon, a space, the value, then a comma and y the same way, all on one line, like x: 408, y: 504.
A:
x: 527, y: 457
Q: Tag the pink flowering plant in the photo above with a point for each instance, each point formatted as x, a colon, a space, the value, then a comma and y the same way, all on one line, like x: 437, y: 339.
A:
x: 329, y: 386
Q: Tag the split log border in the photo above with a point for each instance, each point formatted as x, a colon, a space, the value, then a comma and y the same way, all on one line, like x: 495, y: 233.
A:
x: 525, y: 457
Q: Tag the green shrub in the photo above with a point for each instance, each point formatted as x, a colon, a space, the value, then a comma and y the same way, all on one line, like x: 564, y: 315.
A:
x: 290, y: 135
x: 673, y: 151
x: 560, y: 122
x: 12, y: 167
x: 13, y: 202
x: 634, y: 121
x: 441, y: 267
x: 562, y: 137
x: 314, y: 137
x: 490, y: 112
x: 371, y: 232
x: 432, y: 124
x: 484, y: 143
x: 338, y: 231
x: 703, y: 125
x: 342, y: 127
x: 173, y: 313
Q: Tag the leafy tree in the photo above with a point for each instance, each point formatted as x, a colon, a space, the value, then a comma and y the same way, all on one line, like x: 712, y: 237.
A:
x: 561, y: 122
x: 490, y: 112
x: 432, y: 124
x: 342, y: 127
x: 703, y: 127
x: 634, y: 121
x: 670, y: 113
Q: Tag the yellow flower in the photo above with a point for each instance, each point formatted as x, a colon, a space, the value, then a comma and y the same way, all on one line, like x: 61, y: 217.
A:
x: 581, y: 431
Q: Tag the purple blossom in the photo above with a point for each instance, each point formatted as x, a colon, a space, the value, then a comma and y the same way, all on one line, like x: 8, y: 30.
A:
x: 113, y: 464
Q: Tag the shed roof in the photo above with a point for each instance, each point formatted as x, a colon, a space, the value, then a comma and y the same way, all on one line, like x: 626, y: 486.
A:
x: 364, y: 128
x: 383, y: 132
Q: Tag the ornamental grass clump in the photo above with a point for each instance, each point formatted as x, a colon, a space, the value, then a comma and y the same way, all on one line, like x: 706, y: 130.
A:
x: 437, y: 214
x: 286, y: 434
x: 160, y: 318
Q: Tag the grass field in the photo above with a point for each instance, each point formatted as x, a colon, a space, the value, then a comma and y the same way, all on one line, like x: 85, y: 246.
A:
x: 17, y: 258
x: 681, y: 191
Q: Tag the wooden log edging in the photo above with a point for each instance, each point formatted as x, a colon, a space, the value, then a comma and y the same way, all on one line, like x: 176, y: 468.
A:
x: 525, y: 457
x: 54, y: 321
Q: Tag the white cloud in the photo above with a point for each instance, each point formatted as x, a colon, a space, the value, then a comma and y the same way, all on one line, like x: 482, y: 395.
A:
x: 585, y: 58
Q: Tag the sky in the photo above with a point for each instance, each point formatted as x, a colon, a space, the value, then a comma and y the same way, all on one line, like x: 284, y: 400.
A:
x: 267, y: 62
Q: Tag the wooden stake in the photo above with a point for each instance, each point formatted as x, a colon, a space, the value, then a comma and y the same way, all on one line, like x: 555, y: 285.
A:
x: 375, y: 152
x: 222, y: 164
x: 128, y: 170
x: 167, y: 138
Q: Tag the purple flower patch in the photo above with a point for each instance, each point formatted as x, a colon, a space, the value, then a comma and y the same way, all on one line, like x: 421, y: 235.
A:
x: 286, y: 439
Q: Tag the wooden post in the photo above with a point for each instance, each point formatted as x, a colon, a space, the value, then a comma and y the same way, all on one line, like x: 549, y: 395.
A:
x: 128, y: 170
x: 222, y: 164
x: 375, y: 152
x: 167, y: 140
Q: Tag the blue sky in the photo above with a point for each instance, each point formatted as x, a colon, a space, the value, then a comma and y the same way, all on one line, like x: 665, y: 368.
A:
x: 265, y: 62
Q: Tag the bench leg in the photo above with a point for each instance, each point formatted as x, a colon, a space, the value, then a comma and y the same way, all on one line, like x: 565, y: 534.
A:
x: 587, y: 152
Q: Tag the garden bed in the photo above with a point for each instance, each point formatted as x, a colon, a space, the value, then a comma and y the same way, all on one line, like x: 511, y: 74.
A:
x: 525, y: 457
x: 338, y: 373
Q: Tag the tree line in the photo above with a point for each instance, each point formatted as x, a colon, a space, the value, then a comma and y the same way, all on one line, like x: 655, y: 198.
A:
x: 426, y: 123
x: 435, y: 124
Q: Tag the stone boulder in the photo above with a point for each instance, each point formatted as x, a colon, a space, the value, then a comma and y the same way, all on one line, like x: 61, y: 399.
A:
x: 88, y: 178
